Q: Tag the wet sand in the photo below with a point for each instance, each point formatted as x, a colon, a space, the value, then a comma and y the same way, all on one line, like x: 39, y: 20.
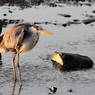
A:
x: 36, y: 67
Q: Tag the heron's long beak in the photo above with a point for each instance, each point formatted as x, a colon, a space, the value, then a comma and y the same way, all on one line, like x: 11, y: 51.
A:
x: 45, y: 32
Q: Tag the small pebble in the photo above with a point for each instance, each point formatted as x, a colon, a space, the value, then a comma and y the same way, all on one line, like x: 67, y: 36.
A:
x: 70, y: 90
x: 53, y: 89
x: 4, y: 14
x: 10, y: 11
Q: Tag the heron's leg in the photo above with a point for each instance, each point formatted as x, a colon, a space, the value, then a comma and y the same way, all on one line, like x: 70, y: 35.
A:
x: 18, y: 67
x: 14, y: 71
x: 13, y: 66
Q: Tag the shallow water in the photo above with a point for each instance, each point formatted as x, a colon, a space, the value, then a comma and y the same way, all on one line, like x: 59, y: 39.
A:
x: 36, y: 67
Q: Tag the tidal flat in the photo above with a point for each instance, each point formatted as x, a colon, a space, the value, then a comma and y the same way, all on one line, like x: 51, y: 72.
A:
x: 71, y: 34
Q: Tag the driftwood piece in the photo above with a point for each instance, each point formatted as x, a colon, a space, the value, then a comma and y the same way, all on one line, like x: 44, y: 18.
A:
x: 68, y: 61
x: 88, y: 21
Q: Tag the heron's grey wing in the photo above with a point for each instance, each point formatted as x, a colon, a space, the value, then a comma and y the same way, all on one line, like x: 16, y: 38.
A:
x: 20, y: 38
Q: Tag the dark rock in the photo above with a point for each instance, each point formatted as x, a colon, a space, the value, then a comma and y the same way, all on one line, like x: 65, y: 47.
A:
x: 10, y: 11
x: 53, y: 89
x: 4, y: 14
x: 55, y: 23
x: 68, y: 61
x: 72, y: 22
x: 17, y: 21
x: 38, y: 1
x: 88, y: 4
x: 46, y: 22
x: 52, y: 5
x: 93, y: 11
x: 65, y: 15
x: 37, y: 22
x: 11, y: 21
x: 76, y: 20
x: 70, y: 90
x: 88, y: 21
x: 29, y: 3
x: 21, y: 3
x: 90, y: 16
x: 64, y: 25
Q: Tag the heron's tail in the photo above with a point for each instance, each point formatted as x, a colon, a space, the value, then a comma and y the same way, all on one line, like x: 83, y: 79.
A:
x: 3, y: 49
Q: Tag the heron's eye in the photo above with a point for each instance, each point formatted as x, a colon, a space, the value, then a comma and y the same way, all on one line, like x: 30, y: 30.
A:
x: 38, y: 28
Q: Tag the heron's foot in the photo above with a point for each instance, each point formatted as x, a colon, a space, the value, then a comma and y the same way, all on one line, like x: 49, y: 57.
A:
x: 20, y: 83
x: 12, y: 94
x: 13, y: 89
x: 19, y: 89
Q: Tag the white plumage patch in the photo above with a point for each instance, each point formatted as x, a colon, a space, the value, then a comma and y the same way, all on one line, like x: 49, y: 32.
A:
x: 30, y: 42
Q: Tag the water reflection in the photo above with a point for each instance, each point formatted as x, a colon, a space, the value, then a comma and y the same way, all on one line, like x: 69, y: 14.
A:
x: 13, y: 89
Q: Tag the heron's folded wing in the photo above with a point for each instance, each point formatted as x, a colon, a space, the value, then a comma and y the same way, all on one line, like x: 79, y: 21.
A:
x: 20, y: 38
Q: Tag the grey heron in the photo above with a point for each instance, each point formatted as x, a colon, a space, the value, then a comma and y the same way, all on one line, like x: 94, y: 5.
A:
x: 20, y: 38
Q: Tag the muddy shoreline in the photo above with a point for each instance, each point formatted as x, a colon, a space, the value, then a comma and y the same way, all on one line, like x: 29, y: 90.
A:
x: 29, y: 3
x: 73, y: 28
x: 52, y: 3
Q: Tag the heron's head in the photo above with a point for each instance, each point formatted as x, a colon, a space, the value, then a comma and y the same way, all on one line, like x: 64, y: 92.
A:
x: 39, y: 29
